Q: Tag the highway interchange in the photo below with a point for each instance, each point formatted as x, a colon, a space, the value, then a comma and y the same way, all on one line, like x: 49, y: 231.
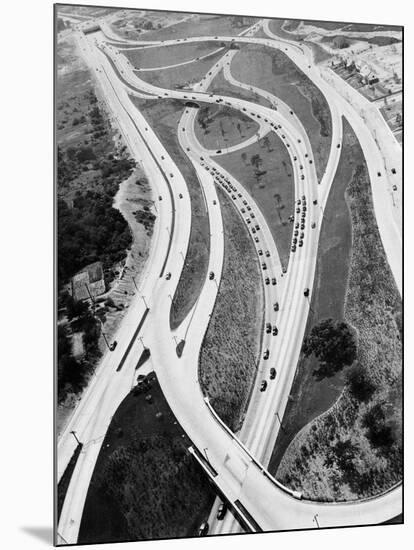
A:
x: 237, y: 465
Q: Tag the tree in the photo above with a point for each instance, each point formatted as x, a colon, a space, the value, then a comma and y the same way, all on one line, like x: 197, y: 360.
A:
x: 244, y: 157
x: 379, y: 432
x: 333, y: 343
x: 359, y: 384
x: 256, y: 161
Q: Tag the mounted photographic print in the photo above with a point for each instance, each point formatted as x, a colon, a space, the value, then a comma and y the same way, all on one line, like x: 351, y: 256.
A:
x: 228, y: 274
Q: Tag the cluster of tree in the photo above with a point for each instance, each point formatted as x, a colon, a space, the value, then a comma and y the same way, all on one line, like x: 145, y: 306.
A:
x: 73, y: 373
x: 333, y: 343
x: 146, y: 217
x: 61, y: 25
x: 91, y: 230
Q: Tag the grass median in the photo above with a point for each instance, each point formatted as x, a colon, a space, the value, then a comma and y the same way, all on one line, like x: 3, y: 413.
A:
x: 184, y: 76
x: 311, y: 396
x: 273, y: 71
x: 163, y: 116
x: 353, y: 450
x: 231, y: 344
x: 169, y: 55
x: 220, y: 126
x: 265, y: 170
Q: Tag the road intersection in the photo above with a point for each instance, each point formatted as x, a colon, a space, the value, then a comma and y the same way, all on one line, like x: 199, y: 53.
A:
x: 237, y: 466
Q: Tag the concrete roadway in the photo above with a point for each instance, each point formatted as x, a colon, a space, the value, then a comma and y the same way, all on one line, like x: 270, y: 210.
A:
x: 388, y: 498
x: 240, y: 463
x: 381, y: 150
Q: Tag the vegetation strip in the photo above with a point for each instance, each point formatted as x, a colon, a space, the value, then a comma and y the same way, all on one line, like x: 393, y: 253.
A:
x: 164, y: 117
x: 230, y: 348
x: 145, y: 483
x: 354, y: 450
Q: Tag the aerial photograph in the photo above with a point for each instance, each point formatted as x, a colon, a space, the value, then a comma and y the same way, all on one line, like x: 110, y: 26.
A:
x: 229, y: 274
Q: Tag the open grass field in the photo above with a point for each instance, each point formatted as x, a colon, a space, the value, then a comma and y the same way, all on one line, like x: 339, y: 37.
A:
x: 168, y: 55
x: 203, y: 25
x: 354, y: 449
x: 163, y: 116
x: 145, y: 484
x: 231, y: 345
x: 273, y: 71
x: 222, y: 87
x: 184, y: 76
x: 310, y: 396
x: 219, y: 126
x: 271, y: 186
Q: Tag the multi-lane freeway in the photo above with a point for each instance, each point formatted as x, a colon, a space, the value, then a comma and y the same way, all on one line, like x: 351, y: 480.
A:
x: 237, y: 465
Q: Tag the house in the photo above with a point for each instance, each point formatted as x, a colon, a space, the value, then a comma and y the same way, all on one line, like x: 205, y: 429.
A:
x: 88, y: 282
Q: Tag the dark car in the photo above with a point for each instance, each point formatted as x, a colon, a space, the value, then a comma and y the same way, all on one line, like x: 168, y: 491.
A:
x: 180, y: 195
x: 113, y: 345
x: 214, y: 201
x: 160, y: 198
x: 267, y: 254
x: 302, y: 177
x: 301, y: 243
x: 306, y: 292
x: 268, y: 328
x: 338, y: 146
x: 315, y: 201
x: 297, y: 210
x: 394, y: 187
x: 272, y: 373
x: 267, y: 281
x: 275, y: 331
x: 295, y: 158
x: 211, y: 276
x: 263, y: 385
x: 379, y: 174
x: 221, y: 512
x: 203, y: 530
x: 264, y: 266
x: 218, y: 151
x: 313, y: 225
x: 260, y: 252
x: 168, y: 276
x: 274, y: 280
x: 393, y: 170
x: 293, y: 248
x: 256, y: 239
x: 276, y: 306
x: 253, y: 230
